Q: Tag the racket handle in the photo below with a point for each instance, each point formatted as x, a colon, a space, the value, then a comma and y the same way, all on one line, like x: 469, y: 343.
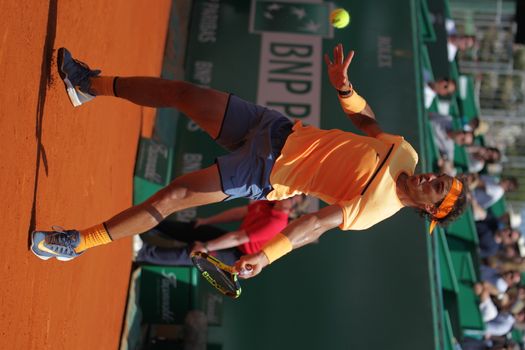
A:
x: 246, y: 271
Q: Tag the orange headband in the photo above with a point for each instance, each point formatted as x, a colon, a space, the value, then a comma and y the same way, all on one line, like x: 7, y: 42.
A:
x: 448, y: 203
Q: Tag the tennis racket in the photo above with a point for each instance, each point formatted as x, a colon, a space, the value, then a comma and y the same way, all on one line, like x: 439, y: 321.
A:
x: 221, y: 276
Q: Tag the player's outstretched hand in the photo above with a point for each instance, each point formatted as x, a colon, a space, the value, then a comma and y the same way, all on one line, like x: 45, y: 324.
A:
x: 198, y: 247
x: 249, y: 266
x: 338, y: 68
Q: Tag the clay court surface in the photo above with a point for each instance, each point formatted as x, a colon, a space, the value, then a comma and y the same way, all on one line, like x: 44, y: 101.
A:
x: 68, y: 166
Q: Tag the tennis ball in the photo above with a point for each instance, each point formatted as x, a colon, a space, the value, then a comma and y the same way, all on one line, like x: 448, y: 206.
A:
x: 339, y: 18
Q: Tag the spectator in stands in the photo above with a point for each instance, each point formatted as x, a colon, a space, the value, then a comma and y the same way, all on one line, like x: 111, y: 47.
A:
x: 516, y: 299
x: 499, y: 321
x: 498, y: 283
x: 511, y: 218
x: 493, y: 343
x: 479, y: 156
x: 442, y: 87
x: 493, y: 239
x: 261, y: 221
x: 446, y: 139
x: 488, y: 309
x: 503, y: 323
x: 509, y: 253
x: 478, y: 126
x: 489, y: 190
x: 443, y: 124
x: 456, y: 42
x: 513, y: 265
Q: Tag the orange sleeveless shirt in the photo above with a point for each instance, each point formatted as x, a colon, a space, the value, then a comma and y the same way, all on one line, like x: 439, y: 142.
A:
x: 356, y: 172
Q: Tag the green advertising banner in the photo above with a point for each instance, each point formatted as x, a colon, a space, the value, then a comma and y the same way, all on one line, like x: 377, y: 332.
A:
x: 166, y: 293
x: 153, y: 161
x: 291, y: 17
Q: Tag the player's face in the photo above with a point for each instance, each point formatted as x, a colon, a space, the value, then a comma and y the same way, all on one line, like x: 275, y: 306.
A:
x: 427, y: 190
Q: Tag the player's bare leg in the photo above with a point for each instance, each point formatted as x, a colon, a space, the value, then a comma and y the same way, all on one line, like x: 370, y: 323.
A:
x: 204, y: 106
x: 190, y: 190
x: 194, y: 189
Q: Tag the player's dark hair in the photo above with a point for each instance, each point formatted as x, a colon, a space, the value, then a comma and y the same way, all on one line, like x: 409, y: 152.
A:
x: 457, y: 210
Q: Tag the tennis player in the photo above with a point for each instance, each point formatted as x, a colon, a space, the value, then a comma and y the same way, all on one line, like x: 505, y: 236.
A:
x: 363, y: 179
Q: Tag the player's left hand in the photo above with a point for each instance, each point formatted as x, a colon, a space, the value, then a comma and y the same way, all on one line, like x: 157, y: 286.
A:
x: 249, y: 266
x: 338, y: 68
x: 198, y: 247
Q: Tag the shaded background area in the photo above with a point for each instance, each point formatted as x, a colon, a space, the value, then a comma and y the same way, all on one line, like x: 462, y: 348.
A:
x: 69, y: 167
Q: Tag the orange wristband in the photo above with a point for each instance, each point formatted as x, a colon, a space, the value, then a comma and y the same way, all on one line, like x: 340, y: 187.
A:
x: 277, y: 247
x: 352, y: 104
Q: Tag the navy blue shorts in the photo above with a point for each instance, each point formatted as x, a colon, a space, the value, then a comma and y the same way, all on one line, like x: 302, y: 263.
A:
x: 255, y: 136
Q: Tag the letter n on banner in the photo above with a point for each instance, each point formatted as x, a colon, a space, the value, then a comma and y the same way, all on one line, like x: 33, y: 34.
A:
x: 290, y: 75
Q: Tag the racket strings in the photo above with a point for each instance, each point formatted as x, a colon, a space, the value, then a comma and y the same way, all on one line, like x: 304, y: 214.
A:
x: 220, y: 277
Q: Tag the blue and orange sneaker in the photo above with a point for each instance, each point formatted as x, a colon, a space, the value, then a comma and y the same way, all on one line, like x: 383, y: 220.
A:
x: 75, y: 75
x: 58, y: 244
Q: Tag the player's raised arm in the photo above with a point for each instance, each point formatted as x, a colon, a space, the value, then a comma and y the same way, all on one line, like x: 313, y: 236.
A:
x: 357, y: 109
x: 298, y: 233
x: 227, y: 240
x: 229, y: 215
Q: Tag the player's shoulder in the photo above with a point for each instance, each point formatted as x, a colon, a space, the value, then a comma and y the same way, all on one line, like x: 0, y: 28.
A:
x: 391, y: 138
x: 401, y: 145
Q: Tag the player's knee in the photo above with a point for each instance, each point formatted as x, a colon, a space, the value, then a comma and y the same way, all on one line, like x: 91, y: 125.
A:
x: 177, y: 193
x: 169, y: 200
